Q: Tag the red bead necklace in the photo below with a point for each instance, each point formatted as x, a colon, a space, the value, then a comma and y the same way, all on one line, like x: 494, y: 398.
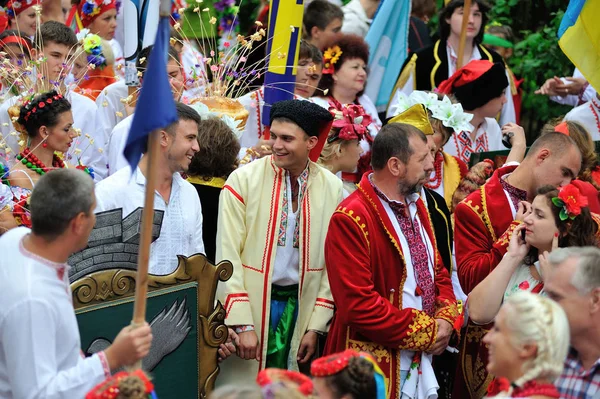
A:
x: 32, y: 162
x: 533, y: 388
x: 436, y: 180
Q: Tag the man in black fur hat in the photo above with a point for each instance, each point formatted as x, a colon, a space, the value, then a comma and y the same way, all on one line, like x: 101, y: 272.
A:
x: 273, y: 218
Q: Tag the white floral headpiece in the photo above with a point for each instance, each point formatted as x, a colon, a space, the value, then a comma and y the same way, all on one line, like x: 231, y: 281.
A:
x: 451, y: 115
x: 205, y: 113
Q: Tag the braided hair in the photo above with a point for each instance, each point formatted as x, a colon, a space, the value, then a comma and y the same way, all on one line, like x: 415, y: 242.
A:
x: 44, y: 110
x: 535, y: 319
x: 356, y: 380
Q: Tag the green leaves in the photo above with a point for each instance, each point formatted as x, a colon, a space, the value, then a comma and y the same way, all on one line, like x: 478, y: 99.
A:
x: 558, y: 202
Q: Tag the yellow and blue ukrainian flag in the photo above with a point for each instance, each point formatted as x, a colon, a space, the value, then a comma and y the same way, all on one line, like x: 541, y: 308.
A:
x: 579, y: 38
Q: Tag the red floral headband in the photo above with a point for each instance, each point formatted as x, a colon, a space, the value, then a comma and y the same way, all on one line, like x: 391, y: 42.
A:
x: 109, y: 388
x: 353, y: 124
x: 89, y: 10
x: 42, y: 104
x: 570, y: 201
x: 15, y: 7
x: 333, y: 364
x: 272, y: 375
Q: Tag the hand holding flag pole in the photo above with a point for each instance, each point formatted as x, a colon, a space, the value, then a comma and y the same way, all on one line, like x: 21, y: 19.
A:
x: 155, y: 111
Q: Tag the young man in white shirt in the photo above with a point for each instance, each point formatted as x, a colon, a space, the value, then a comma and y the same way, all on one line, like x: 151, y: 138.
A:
x: 181, y: 230
x: 40, y: 355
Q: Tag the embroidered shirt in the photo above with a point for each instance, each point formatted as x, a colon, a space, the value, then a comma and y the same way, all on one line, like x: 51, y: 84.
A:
x: 411, y: 229
x: 516, y: 194
x: 181, y: 229
x: 487, y: 138
x: 40, y: 355
x: 286, y: 207
x: 588, y: 114
x: 577, y: 383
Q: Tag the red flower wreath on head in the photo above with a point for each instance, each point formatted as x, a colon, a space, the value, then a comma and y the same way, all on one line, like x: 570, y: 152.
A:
x: 109, y: 388
x: 353, y: 124
x: 570, y: 200
x: 332, y: 364
x: 272, y: 375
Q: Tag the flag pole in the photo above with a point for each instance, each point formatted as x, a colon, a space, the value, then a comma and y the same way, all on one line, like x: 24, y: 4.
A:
x: 141, y: 281
x: 463, y: 33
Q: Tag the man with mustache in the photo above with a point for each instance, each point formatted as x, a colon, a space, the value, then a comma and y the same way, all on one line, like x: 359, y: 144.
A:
x: 392, y: 292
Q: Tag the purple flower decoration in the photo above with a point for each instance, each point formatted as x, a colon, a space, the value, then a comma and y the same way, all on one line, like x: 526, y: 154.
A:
x: 221, y: 5
x: 96, y: 60
x: 228, y: 23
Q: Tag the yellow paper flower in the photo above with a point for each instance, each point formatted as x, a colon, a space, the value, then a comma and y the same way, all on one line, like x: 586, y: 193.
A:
x: 90, y: 42
x: 332, y: 54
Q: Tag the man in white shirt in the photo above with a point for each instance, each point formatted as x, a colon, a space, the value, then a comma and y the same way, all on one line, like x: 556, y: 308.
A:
x: 587, y: 115
x: 40, y: 355
x: 181, y: 230
x: 118, y: 136
x: 358, y: 16
x: 57, y: 41
x: 574, y: 90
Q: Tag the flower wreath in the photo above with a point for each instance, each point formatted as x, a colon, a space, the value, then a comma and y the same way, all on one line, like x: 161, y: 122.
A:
x: 109, y: 388
x: 92, y: 45
x: 14, y: 8
x: 451, y: 115
x: 570, y: 201
x: 90, y: 9
x: 337, y: 362
x: 40, y: 105
x: 330, y: 58
x: 352, y: 122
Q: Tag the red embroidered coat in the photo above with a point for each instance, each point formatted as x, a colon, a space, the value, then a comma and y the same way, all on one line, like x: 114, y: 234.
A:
x: 367, y: 275
x: 483, y: 225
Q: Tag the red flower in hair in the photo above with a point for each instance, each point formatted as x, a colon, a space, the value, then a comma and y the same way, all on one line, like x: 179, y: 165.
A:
x: 571, y: 201
x: 41, y: 104
x: 353, y: 123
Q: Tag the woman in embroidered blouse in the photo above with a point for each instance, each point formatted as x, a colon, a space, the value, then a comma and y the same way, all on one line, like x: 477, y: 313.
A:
x: 556, y: 218
x: 343, y: 82
x: 527, y: 347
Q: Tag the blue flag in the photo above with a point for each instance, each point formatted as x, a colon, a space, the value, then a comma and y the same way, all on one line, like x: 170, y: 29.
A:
x: 283, y: 47
x: 388, y: 41
x: 155, y: 107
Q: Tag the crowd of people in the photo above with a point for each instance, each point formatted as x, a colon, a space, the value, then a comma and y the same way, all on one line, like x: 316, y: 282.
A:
x: 369, y: 251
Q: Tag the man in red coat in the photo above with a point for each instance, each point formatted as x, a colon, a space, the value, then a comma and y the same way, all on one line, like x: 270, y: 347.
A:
x: 393, y: 295
x: 484, y: 222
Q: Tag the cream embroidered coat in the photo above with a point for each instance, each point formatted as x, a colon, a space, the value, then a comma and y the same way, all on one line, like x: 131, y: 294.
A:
x: 249, y: 220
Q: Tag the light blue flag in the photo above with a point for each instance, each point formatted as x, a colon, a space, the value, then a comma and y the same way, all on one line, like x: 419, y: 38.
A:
x: 388, y: 41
